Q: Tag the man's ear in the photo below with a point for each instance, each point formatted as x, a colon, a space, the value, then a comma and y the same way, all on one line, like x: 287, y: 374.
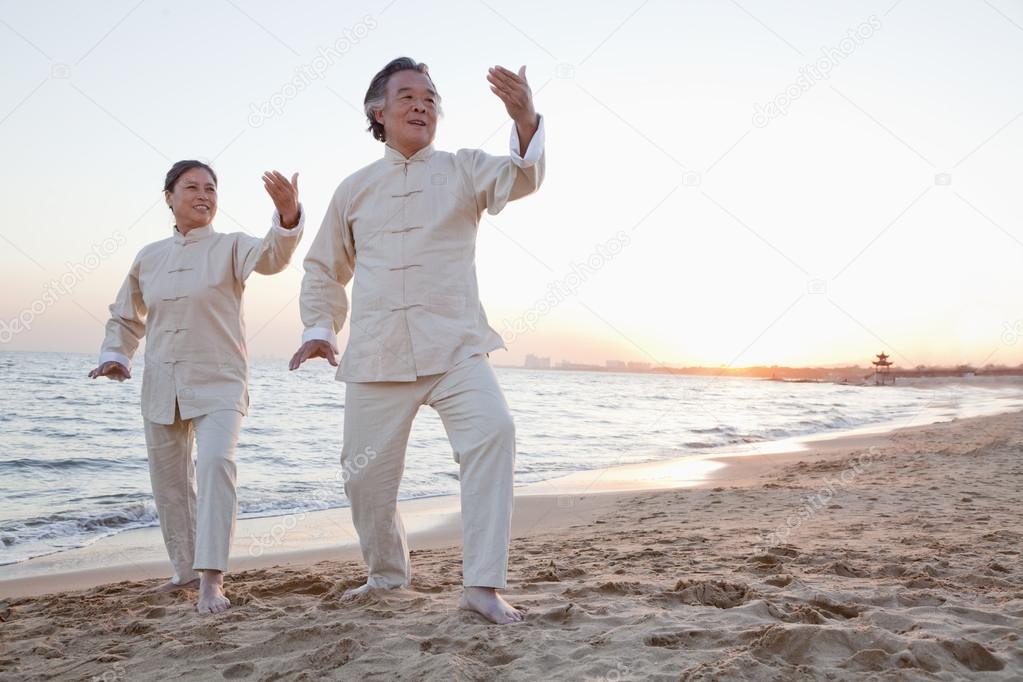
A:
x: 378, y: 116
x: 167, y: 198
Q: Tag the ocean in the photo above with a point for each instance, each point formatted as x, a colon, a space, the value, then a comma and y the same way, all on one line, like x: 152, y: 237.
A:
x: 74, y: 469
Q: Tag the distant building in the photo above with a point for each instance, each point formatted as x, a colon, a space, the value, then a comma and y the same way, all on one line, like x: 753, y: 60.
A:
x: 638, y: 366
x: 883, y: 370
x: 536, y: 362
x: 616, y: 364
x: 566, y: 364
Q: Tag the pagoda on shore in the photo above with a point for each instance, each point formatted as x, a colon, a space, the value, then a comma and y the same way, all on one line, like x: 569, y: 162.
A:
x: 883, y: 371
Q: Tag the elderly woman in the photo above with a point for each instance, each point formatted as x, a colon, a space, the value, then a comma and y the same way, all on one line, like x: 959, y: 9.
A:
x: 184, y: 294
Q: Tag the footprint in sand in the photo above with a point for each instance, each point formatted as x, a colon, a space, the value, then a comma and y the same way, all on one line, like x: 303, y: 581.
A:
x: 136, y: 627
x: 551, y: 572
x: 560, y: 614
x: 847, y: 571
x: 719, y: 593
x: 335, y: 654
x: 845, y: 611
x: 764, y: 562
x: 238, y: 671
x: 780, y: 580
x: 801, y: 613
x: 696, y: 639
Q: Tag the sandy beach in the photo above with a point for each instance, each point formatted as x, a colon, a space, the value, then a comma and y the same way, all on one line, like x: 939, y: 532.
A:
x: 885, y: 557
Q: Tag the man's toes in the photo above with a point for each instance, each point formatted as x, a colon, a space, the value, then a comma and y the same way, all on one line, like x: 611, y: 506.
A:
x: 216, y: 606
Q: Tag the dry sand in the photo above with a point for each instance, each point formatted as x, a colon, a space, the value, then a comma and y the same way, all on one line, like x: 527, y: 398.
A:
x: 910, y: 568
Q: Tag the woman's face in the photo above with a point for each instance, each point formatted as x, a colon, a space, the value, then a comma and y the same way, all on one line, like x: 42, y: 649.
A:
x: 194, y: 199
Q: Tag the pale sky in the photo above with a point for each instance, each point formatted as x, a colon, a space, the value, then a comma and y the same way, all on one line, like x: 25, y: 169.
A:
x: 880, y: 211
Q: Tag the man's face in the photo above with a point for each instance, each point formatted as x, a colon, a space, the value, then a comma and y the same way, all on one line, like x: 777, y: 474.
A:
x: 409, y: 115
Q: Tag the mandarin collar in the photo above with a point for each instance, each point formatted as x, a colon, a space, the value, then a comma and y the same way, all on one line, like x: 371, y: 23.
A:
x: 194, y: 235
x: 392, y: 154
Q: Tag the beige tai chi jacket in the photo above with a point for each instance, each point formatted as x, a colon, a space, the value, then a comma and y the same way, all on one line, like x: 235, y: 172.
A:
x: 405, y: 229
x: 184, y: 294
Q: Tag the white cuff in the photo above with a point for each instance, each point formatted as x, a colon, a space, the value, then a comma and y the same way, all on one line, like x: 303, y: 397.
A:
x: 111, y: 356
x: 320, y: 334
x: 533, y: 151
x: 285, y: 232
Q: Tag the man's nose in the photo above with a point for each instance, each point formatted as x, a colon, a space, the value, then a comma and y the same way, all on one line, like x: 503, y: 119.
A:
x: 419, y: 106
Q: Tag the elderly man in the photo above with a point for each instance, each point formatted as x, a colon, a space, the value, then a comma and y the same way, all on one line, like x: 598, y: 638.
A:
x: 405, y: 228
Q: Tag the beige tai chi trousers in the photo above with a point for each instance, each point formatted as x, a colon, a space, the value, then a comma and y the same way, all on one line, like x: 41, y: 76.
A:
x: 378, y: 418
x: 197, y: 525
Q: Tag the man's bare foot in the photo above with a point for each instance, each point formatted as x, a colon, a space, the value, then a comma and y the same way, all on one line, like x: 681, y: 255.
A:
x: 171, y: 586
x: 492, y: 606
x: 211, y: 593
x: 356, y: 592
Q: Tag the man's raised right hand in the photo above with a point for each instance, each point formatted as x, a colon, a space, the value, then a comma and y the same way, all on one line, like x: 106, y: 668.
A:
x: 312, y: 349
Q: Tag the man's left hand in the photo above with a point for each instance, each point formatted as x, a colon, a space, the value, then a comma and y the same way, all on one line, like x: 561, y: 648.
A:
x: 513, y: 89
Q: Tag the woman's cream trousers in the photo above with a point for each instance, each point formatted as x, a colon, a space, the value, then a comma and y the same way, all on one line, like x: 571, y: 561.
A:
x: 197, y: 524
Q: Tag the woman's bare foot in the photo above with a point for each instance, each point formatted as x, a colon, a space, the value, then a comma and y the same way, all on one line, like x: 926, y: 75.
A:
x: 492, y: 606
x: 211, y: 593
x: 171, y: 586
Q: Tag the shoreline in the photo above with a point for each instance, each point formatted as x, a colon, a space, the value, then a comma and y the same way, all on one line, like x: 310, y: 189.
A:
x: 434, y: 522
x: 54, y: 528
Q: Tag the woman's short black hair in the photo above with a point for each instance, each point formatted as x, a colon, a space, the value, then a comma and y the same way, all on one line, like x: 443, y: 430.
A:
x: 180, y: 167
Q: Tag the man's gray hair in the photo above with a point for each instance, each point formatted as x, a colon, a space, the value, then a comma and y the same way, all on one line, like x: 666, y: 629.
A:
x: 376, y: 95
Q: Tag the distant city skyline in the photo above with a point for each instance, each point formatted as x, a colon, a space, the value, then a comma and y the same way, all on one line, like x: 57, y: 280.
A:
x: 545, y: 362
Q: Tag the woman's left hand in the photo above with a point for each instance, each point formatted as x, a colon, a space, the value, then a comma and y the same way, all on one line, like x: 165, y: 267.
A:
x: 285, y: 196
